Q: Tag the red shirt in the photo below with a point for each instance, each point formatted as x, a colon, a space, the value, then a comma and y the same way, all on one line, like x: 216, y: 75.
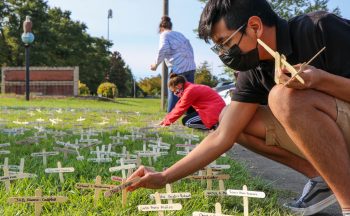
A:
x: 203, y: 99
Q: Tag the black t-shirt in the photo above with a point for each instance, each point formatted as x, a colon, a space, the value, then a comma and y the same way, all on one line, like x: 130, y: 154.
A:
x: 299, y: 39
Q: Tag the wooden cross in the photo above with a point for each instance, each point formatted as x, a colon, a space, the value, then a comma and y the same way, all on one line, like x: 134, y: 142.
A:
x: 210, y: 177
x: 38, y: 200
x: 98, y: 187
x: 123, y: 167
x: 44, y: 154
x: 60, y: 170
x: 159, y: 207
x: 121, y: 187
x: 7, y: 178
x: 20, y: 168
x: 149, y: 154
x: 218, y: 212
x: 65, y: 151
x: 281, y: 62
x: 100, y: 158
x: 245, y: 194
x: 4, y: 145
x: 118, y: 138
x: 169, y: 195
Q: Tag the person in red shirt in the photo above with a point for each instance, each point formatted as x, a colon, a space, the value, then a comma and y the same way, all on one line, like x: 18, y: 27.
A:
x: 202, y: 104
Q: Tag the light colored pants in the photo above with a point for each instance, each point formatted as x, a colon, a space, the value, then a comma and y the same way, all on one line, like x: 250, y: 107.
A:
x: 277, y: 136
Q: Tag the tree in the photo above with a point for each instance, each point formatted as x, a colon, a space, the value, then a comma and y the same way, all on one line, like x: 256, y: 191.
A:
x: 204, y: 76
x: 120, y: 75
x: 151, y: 86
x: 59, y: 41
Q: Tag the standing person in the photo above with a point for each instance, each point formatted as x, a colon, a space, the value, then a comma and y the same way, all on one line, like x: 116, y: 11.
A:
x: 206, y: 103
x: 175, y: 49
x: 305, y: 126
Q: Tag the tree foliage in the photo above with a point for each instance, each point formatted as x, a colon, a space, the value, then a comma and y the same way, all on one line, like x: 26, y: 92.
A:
x: 59, y: 41
x: 204, y: 76
x: 120, y: 74
x: 151, y: 86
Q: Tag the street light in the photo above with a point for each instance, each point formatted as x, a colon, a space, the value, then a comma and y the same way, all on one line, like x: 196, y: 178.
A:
x: 110, y: 16
x: 27, y: 38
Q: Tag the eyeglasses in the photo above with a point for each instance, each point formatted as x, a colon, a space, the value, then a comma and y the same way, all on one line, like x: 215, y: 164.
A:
x: 219, y: 48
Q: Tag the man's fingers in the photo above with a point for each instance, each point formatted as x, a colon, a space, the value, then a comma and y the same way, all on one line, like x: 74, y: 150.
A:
x: 140, y: 172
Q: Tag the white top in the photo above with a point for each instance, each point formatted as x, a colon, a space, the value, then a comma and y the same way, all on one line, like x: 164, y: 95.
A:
x: 177, y: 52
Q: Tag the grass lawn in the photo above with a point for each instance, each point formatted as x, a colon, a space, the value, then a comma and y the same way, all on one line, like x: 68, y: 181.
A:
x: 81, y: 202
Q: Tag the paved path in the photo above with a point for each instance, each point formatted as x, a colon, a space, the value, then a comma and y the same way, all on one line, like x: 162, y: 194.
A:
x: 280, y: 176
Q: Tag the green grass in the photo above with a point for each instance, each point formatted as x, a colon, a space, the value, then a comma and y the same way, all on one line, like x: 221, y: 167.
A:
x: 81, y: 201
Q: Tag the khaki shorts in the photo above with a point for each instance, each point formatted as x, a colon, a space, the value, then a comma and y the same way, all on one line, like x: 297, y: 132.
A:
x: 277, y: 136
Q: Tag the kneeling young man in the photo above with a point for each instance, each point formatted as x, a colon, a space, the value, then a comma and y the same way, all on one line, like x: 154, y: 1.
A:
x: 305, y: 126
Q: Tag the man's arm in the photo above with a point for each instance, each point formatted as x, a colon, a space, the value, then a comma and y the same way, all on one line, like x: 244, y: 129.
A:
x: 323, y: 81
x: 235, y: 119
x: 334, y: 85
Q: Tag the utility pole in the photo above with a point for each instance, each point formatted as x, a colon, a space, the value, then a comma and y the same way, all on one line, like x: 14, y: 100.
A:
x: 164, y: 91
x: 134, y: 86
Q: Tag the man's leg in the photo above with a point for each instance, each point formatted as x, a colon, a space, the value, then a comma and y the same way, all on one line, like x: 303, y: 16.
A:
x: 309, y: 118
x: 253, y: 138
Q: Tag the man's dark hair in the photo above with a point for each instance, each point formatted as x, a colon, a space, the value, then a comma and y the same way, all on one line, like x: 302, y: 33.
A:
x: 235, y: 14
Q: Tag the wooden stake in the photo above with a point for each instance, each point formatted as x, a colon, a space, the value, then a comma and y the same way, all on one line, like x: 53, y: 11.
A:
x: 124, y: 195
x: 218, y: 212
x: 209, y: 181
x: 158, y: 202
x: 7, y: 174
x: 245, y: 202
x: 38, y: 205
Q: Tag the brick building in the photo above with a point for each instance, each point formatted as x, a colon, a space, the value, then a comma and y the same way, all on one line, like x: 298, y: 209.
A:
x: 43, y: 80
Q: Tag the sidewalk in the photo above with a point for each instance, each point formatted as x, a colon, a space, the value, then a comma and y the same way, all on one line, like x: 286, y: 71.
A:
x: 280, y: 176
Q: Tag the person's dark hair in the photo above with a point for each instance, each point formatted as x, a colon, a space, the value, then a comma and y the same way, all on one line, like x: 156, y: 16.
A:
x: 165, y: 23
x: 235, y: 14
x: 175, y: 79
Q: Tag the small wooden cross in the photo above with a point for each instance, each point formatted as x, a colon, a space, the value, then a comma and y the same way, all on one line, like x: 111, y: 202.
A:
x: 98, y: 187
x: 60, y: 170
x: 44, y: 154
x: 159, y: 207
x: 245, y: 194
x: 38, y: 200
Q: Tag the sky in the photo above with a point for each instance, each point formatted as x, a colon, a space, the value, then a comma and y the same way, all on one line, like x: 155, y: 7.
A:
x: 134, y: 27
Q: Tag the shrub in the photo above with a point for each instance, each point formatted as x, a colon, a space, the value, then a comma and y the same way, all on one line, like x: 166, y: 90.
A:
x: 83, y: 89
x: 108, y: 90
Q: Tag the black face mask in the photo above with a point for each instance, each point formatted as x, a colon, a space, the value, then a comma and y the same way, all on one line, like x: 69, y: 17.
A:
x: 235, y: 59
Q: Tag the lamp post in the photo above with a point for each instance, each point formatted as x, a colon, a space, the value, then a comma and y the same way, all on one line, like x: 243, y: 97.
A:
x: 110, y: 16
x: 27, y: 38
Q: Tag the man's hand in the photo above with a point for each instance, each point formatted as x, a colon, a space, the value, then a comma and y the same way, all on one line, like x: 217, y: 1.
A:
x: 310, y: 75
x: 153, y: 67
x: 149, y: 179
